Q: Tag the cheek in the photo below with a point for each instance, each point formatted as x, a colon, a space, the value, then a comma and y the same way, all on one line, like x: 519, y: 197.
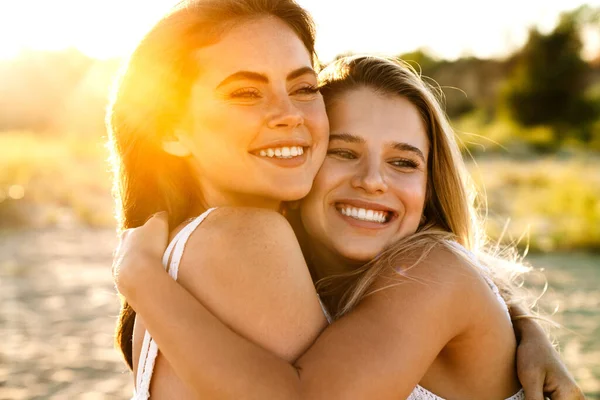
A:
x: 331, y: 175
x: 316, y: 203
x: 229, y: 122
x: 412, y: 194
x: 315, y: 116
x: 222, y: 136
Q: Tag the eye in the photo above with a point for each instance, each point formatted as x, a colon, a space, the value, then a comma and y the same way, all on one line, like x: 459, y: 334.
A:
x: 306, y: 91
x: 342, y: 153
x: 404, y: 163
x: 245, y: 93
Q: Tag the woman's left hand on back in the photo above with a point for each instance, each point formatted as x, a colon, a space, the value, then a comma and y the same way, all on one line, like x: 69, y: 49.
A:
x: 540, y: 369
x: 138, y: 249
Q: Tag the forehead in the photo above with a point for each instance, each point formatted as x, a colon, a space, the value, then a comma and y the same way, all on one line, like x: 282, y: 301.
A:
x: 378, y: 118
x: 266, y: 45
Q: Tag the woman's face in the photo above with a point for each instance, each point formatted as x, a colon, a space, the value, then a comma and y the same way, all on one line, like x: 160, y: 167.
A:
x: 370, y: 191
x: 259, y: 128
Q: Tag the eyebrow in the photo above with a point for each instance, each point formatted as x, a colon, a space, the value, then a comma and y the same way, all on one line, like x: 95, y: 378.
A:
x: 346, y: 137
x: 407, y: 147
x: 258, y: 77
x: 400, y: 146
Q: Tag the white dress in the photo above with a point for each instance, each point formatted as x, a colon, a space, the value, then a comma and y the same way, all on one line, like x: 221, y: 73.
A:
x: 172, y: 258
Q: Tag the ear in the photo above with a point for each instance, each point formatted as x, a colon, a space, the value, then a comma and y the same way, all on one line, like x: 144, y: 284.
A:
x: 176, y: 145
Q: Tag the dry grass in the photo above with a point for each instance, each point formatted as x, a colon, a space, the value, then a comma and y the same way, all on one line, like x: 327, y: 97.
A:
x: 553, y: 201
x: 53, y: 180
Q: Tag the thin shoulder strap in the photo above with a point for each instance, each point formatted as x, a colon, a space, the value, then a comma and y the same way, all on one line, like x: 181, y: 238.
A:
x: 485, y: 273
x: 325, y: 310
x: 149, y: 351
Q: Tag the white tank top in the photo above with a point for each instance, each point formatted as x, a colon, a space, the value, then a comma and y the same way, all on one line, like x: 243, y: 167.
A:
x: 172, y: 258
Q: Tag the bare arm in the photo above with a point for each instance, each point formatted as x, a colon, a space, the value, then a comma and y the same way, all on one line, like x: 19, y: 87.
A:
x: 360, y: 356
x: 186, y: 308
x: 246, y: 267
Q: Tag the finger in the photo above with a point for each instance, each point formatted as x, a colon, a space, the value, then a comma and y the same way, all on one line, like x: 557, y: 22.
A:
x: 158, y: 224
x: 567, y: 392
x: 162, y: 216
x: 533, y: 386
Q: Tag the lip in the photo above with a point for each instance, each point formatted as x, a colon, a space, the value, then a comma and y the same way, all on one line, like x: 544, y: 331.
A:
x: 289, y: 142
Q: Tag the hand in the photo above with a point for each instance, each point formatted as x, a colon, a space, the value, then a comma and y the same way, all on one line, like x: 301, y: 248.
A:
x: 540, y: 369
x: 139, y: 248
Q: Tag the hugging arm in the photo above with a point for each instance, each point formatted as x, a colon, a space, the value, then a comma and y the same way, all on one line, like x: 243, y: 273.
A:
x: 539, y: 366
x: 245, y: 266
x: 213, y: 359
x: 362, y: 355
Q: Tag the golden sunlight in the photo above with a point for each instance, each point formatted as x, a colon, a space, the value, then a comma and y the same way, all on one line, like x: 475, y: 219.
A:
x: 110, y: 28
x: 100, y: 29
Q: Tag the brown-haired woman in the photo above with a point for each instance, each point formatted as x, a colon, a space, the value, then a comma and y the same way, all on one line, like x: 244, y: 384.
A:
x: 218, y: 106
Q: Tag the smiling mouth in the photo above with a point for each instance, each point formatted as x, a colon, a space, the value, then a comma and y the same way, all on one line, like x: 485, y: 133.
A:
x: 285, y: 152
x: 365, y: 214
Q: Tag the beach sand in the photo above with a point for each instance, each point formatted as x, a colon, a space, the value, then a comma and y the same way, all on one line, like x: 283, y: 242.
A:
x: 58, y: 308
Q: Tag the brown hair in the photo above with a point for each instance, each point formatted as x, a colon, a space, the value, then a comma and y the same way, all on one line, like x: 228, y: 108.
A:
x: 449, y: 214
x: 150, y: 100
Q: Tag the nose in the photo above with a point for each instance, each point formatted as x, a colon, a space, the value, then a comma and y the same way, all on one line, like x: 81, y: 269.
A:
x: 370, y: 178
x: 283, y: 113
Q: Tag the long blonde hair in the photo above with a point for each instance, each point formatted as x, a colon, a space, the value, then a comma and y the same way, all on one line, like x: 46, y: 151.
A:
x: 150, y: 100
x: 449, y: 214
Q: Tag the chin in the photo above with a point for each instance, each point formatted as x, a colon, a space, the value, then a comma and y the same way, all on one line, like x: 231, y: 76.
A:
x: 294, y: 193
x: 362, y: 255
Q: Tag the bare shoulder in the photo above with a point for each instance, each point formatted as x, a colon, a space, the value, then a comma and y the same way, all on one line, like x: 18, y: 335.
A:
x: 442, y: 286
x: 441, y: 269
x: 414, y: 308
x: 246, y: 266
x: 245, y: 223
x: 244, y: 235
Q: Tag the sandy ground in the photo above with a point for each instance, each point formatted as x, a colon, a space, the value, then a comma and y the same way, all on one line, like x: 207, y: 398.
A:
x: 57, y: 315
x: 58, y: 309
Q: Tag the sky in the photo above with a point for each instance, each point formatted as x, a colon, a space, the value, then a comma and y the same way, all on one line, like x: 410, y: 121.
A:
x: 447, y: 29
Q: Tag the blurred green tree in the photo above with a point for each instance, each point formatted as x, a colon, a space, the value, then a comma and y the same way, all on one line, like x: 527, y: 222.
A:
x: 548, y: 82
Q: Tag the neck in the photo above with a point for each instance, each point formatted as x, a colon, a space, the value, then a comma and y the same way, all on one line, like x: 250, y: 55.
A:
x: 326, y: 263
x: 213, y: 197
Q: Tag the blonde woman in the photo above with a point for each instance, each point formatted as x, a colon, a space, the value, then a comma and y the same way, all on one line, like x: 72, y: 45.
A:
x: 423, y: 320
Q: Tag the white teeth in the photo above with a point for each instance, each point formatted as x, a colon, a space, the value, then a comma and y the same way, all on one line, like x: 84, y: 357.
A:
x: 282, y: 152
x: 364, y: 214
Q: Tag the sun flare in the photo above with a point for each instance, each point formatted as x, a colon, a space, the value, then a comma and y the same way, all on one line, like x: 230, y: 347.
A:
x: 110, y: 28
